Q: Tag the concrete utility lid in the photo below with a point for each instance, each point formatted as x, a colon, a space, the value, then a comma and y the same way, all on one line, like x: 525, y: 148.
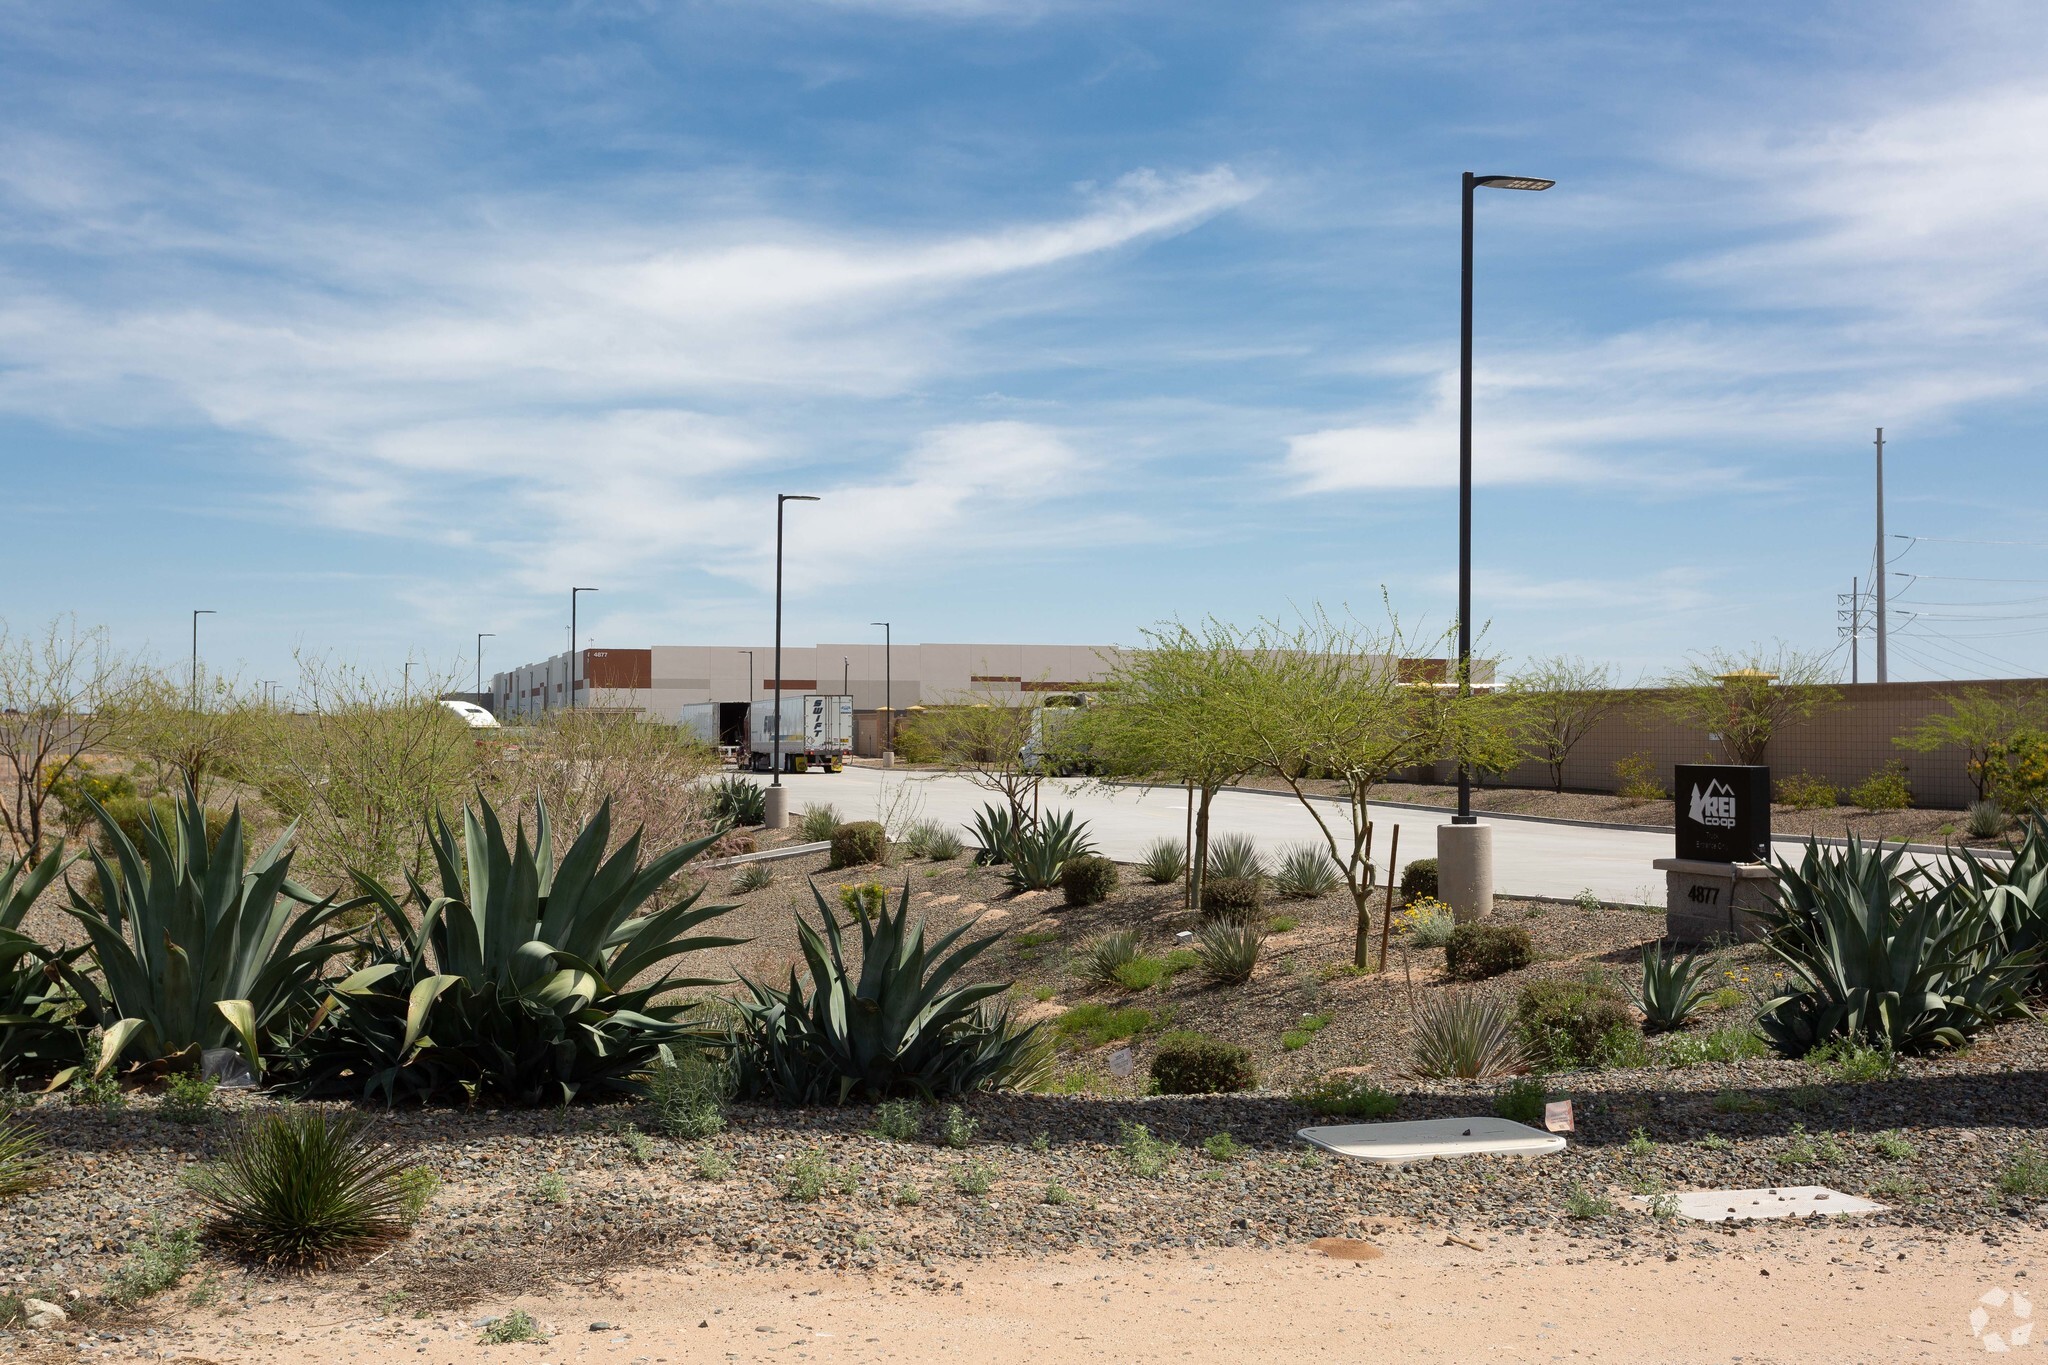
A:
x: 1427, y: 1139
x: 1783, y: 1201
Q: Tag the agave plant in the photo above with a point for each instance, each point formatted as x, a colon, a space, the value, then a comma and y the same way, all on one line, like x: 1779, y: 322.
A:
x: 2013, y: 893
x: 299, y: 1187
x: 22, y: 1164
x: 896, y: 1028
x: 1466, y: 1037
x: 38, y: 1030
x: 531, y: 982
x: 1673, y: 985
x: 1884, y: 959
x: 1039, y: 854
x: 737, y: 801
x: 197, y: 948
x: 994, y: 828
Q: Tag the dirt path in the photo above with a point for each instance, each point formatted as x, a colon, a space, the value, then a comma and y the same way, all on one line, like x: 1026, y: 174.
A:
x: 1829, y: 1293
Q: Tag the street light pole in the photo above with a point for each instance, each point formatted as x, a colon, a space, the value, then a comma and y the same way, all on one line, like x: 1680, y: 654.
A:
x: 778, y: 803
x: 888, y: 688
x: 845, y: 675
x: 1471, y: 183
x: 202, y: 611
x: 482, y: 636
x: 572, y: 643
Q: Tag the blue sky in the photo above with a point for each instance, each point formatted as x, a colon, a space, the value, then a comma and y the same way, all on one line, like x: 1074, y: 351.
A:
x: 372, y: 326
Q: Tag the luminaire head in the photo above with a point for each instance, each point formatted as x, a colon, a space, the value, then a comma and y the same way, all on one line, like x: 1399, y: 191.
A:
x: 1512, y: 182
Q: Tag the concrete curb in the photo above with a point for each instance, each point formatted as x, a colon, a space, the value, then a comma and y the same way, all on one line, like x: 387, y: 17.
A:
x: 770, y: 855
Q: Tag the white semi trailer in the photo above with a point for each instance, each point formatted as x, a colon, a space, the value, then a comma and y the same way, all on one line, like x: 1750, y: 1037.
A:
x: 817, y: 732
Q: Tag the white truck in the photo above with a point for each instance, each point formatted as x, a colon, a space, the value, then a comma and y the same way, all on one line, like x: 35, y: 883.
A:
x: 720, y: 724
x: 817, y: 732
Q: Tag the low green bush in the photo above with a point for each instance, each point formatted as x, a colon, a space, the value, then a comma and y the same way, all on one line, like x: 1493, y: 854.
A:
x: 688, y: 1091
x: 1732, y: 1044
x: 1522, y: 1101
x: 1097, y: 1025
x: 1191, y: 1064
x: 1884, y: 789
x: 1418, y: 879
x: 1477, y: 950
x: 1232, y: 898
x: 1575, y: 1023
x: 1803, y: 791
x: 863, y: 900
x: 1088, y: 879
x: 858, y: 844
x: 1346, y: 1097
x: 188, y: 1098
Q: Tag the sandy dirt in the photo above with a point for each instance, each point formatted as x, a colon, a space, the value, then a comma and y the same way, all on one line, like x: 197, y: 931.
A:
x: 1831, y: 1292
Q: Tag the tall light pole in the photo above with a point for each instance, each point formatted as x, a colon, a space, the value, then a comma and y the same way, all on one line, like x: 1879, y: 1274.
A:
x: 748, y: 738
x: 202, y: 611
x: 778, y: 799
x: 1883, y: 671
x: 482, y: 636
x: 572, y: 643
x: 1472, y: 182
x: 888, y: 688
x: 846, y: 675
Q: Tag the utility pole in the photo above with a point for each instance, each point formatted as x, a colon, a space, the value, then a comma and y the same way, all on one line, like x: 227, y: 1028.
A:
x: 1883, y: 672
x: 572, y: 643
x: 1855, y: 634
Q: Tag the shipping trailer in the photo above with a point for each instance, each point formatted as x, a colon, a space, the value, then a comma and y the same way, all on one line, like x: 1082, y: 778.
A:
x: 817, y: 732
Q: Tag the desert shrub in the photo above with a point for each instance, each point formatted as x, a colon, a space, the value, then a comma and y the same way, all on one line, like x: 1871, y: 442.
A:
x: 687, y: 1091
x: 2015, y: 771
x: 957, y: 1127
x: 1231, y: 898
x: 753, y: 877
x: 1803, y: 791
x: 811, y: 1174
x: 1522, y: 1101
x: 1235, y: 856
x: 77, y: 787
x: 22, y: 1166
x: 1088, y: 879
x: 916, y: 839
x: 516, y: 1328
x: 1635, y: 777
x: 1418, y: 879
x: 1229, y: 950
x: 2026, y: 1175
x: 817, y: 823
x: 300, y: 1186
x: 944, y: 846
x: 1732, y: 1044
x: 1848, y: 1061
x: 1190, y: 1064
x: 864, y: 900
x: 417, y: 1186
x: 1163, y: 861
x: 1476, y: 951
x: 734, y: 800
x: 858, y: 844
x: 898, y: 1120
x: 1305, y: 872
x: 188, y: 1098
x: 1884, y: 789
x: 1098, y: 1025
x: 153, y: 1264
x: 1223, y: 1147
x: 1582, y: 1022
x: 1347, y: 1097
x: 1987, y: 820
x: 1142, y: 973
x: 1426, y: 922
x: 1146, y: 1155
x: 1466, y: 1037
x: 1099, y: 963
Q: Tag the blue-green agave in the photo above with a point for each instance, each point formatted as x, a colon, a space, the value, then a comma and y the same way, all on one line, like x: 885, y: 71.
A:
x: 38, y: 1028
x: 519, y: 980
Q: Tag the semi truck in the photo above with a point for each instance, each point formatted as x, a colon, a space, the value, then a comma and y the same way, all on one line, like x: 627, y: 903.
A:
x: 720, y: 724
x: 817, y: 732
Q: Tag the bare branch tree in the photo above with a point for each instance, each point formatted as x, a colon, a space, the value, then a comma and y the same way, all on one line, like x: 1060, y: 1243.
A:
x: 60, y: 697
x: 1557, y: 703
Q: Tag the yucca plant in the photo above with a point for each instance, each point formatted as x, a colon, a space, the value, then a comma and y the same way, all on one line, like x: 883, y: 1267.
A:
x: 1163, y: 861
x: 1305, y: 872
x: 197, y: 948
x: 944, y: 845
x: 1466, y: 1037
x: 1229, y: 950
x: 1882, y: 958
x: 22, y: 1167
x: 994, y: 827
x: 1673, y: 985
x: 1099, y: 961
x: 818, y: 822
x: 1235, y: 856
x: 532, y: 982
x: 300, y: 1187
x: 39, y: 1034
x: 897, y: 1027
x: 737, y: 801
x: 1039, y: 854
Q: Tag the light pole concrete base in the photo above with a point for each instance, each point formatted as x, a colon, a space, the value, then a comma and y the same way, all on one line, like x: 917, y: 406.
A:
x: 888, y: 758
x: 1464, y: 870
x: 778, y: 808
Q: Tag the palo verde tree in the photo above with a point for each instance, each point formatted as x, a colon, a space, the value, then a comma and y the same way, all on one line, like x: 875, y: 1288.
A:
x: 1167, y: 711
x: 61, y: 690
x: 1326, y: 702
x: 1748, y: 698
x: 1557, y: 701
x: 1983, y: 723
x: 982, y: 734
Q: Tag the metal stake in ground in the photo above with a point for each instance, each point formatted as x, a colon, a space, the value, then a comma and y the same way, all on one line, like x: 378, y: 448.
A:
x: 1387, y: 920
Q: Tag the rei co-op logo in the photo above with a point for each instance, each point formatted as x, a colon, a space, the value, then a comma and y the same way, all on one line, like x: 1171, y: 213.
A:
x: 1713, y: 805
x: 2002, y: 1319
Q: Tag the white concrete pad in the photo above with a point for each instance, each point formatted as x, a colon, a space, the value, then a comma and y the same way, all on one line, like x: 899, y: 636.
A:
x: 1783, y: 1201
x: 1428, y: 1139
